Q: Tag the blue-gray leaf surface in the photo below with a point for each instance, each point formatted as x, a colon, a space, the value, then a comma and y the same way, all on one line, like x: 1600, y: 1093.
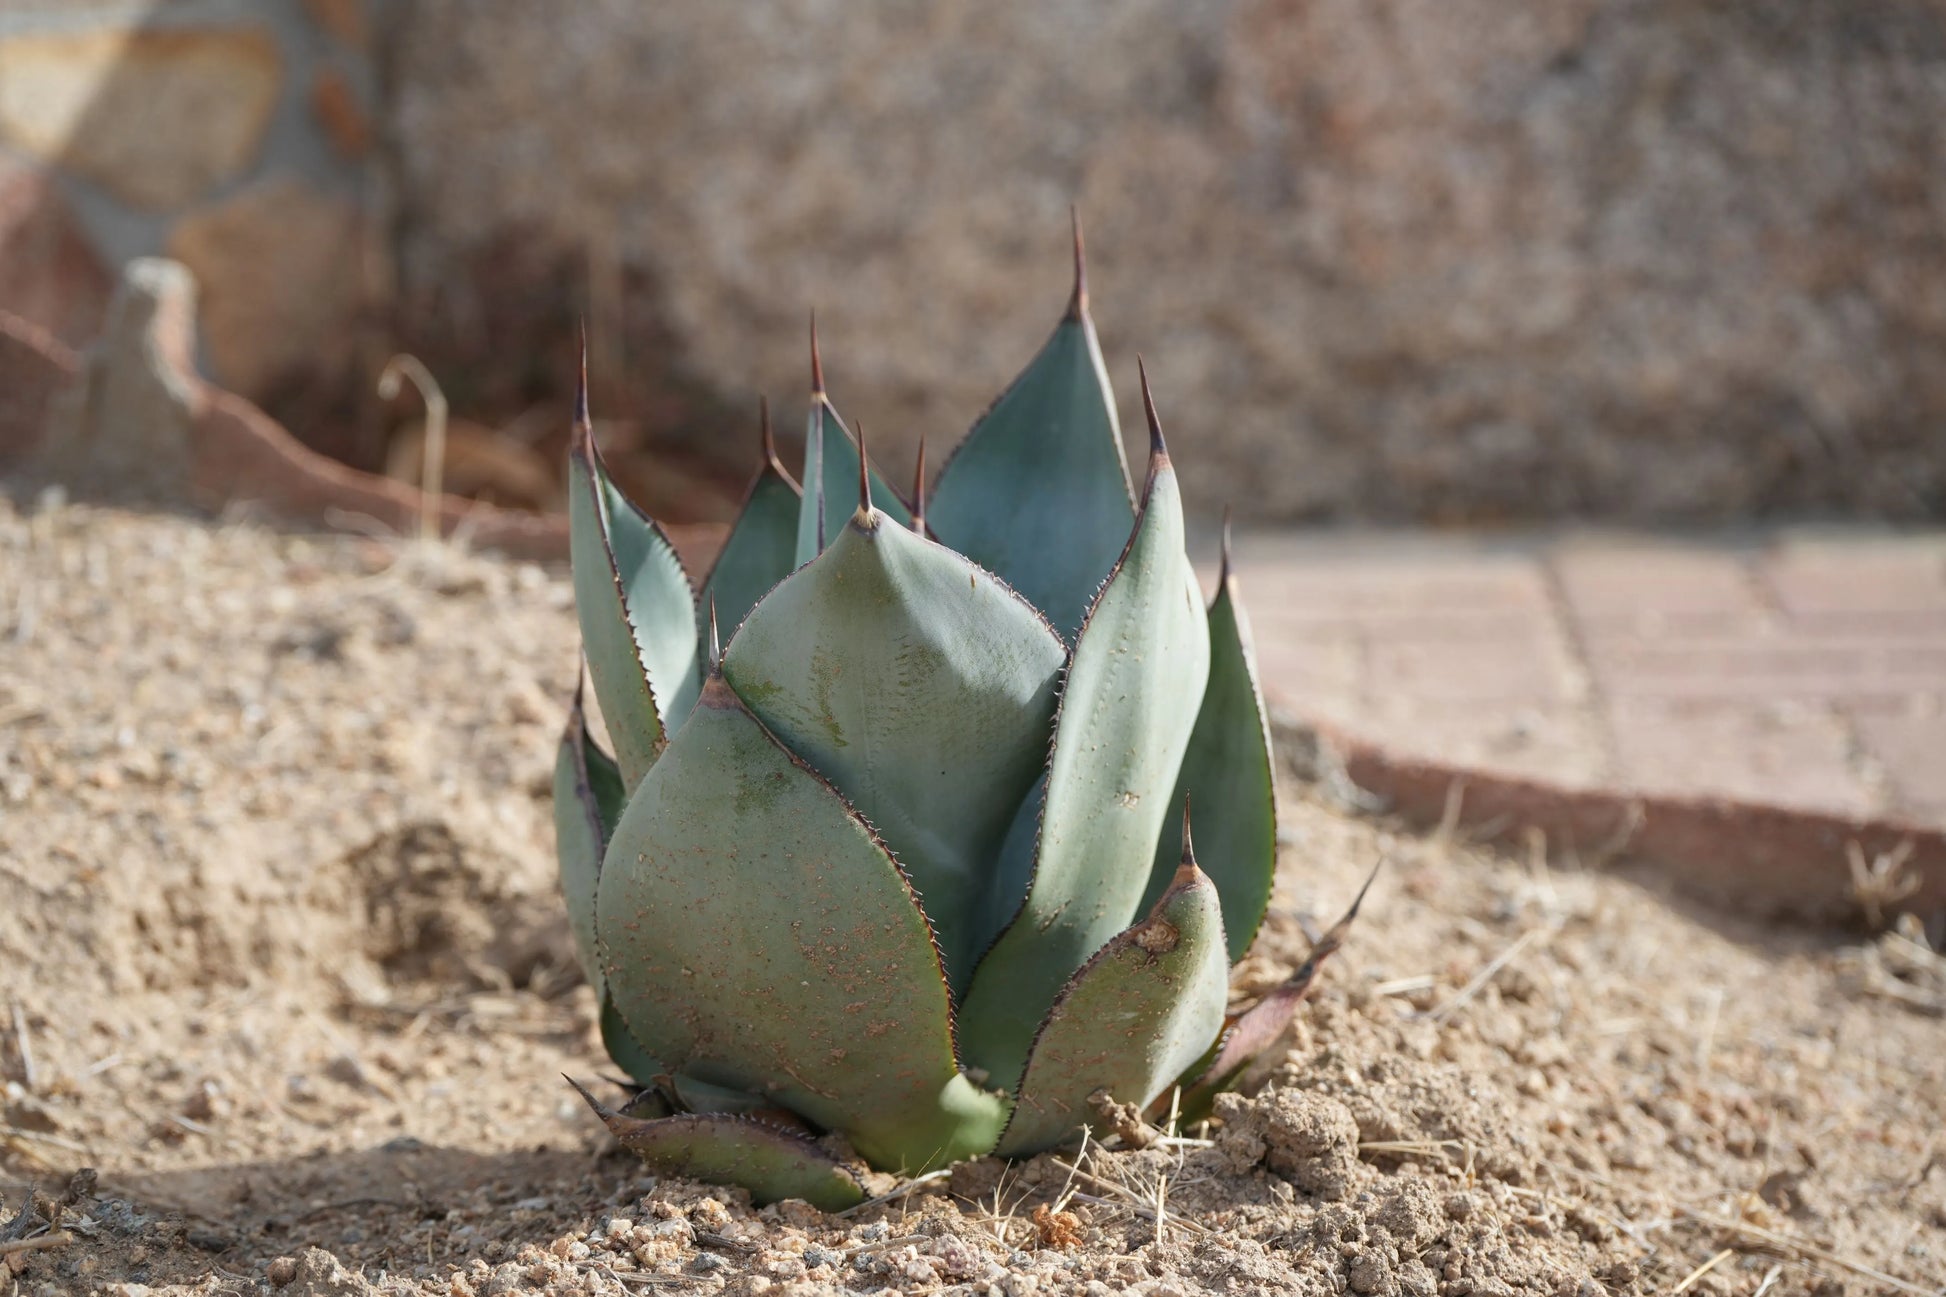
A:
x: 831, y: 482
x: 1227, y: 781
x: 1038, y: 492
x: 923, y: 689
x: 1146, y: 1006
x: 637, y: 612
x: 760, y: 550
x: 756, y: 935
x: 1127, y: 709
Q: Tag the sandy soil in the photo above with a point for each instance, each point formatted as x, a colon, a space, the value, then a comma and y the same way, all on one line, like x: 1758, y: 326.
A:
x: 280, y: 959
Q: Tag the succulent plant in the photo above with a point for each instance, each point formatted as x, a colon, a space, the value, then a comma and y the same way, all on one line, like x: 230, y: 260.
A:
x: 906, y: 858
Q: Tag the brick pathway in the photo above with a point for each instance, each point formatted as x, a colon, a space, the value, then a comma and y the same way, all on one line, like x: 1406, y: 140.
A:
x: 1797, y: 668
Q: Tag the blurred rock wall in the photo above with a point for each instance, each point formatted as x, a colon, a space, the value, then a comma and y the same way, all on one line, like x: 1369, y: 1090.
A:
x: 1387, y: 258
x: 236, y: 136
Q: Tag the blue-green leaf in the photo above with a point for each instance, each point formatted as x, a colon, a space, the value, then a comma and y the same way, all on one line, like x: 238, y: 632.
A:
x: 701, y: 1096
x: 1038, y: 492
x: 761, y: 547
x: 756, y: 935
x: 923, y: 689
x: 588, y: 800
x: 1126, y: 712
x: 637, y: 610
x: 1247, y: 1035
x: 831, y: 480
x: 1147, y: 1005
x: 1013, y: 867
x: 810, y: 509
x: 1227, y: 778
x: 621, y: 1044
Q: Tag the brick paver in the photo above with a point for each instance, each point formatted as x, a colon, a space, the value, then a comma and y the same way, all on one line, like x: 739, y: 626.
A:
x: 1802, y: 669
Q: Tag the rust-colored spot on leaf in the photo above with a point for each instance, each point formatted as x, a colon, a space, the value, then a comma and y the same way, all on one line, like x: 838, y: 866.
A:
x: 1158, y: 937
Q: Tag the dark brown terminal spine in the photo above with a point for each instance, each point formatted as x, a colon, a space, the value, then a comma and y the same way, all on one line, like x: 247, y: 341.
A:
x: 581, y: 387
x: 1078, y: 303
x: 919, y: 490
x: 864, y: 480
x: 1158, y: 450
x: 715, y: 642
x: 817, y: 364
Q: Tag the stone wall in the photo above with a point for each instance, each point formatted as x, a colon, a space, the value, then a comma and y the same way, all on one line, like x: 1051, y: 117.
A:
x: 1387, y: 258
x: 236, y: 136
x: 1419, y: 259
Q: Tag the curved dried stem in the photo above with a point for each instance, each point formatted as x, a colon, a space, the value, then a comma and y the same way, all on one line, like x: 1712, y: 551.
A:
x: 432, y: 465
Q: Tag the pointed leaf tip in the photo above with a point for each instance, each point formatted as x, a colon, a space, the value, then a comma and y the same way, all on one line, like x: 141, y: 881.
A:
x: 817, y: 363
x: 761, y: 544
x: 1038, y: 491
x: 1157, y: 448
x: 639, y: 621
x: 581, y: 385
x: 1187, y: 870
x: 1223, y: 572
x: 918, y: 489
x: 1078, y: 303
x: 864, y: 479
x: 1352, y: 914
x: 715, y: 642
x: 1247, y: 1034
x: 607, y: 1114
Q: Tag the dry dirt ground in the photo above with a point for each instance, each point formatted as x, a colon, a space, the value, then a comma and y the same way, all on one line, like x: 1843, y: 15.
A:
x: 281, y: 960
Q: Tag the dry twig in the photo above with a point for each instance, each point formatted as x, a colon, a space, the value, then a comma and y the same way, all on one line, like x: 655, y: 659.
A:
x: 432, y: 470
x: 1788, y: 1245
x: 910, y: 1186
x: 1785, y: 1245
x: 1689, y: 1280
x: 59, y: 1238
x: 1541, y: 934
x: 37, y: 1137
x: 1126, y: 1197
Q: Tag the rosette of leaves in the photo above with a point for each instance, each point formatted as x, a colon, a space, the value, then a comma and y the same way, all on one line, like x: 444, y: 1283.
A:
x: 893, y: 843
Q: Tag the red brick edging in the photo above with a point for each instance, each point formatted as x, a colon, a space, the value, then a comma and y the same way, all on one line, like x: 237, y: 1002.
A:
x: 1772, y: 860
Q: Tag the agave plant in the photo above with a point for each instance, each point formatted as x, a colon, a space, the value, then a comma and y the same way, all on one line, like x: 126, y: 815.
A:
x: 894, y: 842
